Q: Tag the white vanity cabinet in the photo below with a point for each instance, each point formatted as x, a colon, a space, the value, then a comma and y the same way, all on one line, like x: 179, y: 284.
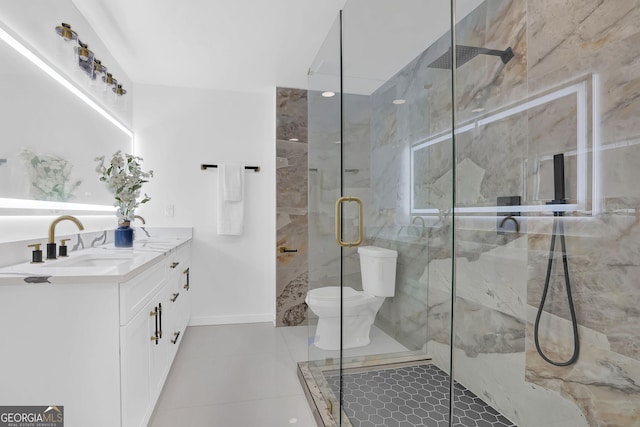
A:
x: 91, y: 347
x: 150, y: 339
x: 143, y: 353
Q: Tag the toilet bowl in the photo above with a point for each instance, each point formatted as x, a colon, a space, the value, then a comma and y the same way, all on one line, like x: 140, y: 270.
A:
x: 359, y: 308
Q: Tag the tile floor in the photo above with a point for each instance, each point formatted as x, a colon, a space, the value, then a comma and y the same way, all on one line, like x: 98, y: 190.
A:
x: 244, y: 376
x: 236, y: 375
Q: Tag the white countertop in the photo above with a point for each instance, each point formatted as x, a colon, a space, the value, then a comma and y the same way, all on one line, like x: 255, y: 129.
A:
x: 102, y: 264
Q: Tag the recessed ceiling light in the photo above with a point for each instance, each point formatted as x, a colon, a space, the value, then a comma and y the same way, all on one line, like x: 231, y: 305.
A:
x: 328, y: 94
x: 338, y: 142
x: 294, y: 139
x: 477, y: 110
x: 293, y: 421
x: 399, y: 101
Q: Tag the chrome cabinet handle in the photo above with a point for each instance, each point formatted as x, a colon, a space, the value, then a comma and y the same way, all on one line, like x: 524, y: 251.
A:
x: 339, y: 203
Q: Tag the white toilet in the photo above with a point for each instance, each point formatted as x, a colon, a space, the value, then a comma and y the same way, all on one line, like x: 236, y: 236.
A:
x: 378, y: 268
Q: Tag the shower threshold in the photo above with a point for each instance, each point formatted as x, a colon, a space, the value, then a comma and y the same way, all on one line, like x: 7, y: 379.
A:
x: 401, y: 393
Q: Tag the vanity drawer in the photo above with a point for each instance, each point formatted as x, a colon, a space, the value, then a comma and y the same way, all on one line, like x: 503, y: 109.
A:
x: 135, y: 293
x: 179, y: 260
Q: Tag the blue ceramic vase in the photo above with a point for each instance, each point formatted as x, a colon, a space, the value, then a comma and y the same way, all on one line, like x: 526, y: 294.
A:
x: 123, y: 236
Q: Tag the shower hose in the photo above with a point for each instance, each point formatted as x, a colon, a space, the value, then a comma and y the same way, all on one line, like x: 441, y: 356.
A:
x: 558, y: 229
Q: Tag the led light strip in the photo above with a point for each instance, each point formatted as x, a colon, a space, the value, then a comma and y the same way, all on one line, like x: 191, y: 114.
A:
x: 43, y: 204
x: 20, y: 48
x: 504, y: 209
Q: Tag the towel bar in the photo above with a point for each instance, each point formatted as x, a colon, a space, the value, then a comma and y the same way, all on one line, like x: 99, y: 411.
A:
x: 253, y: 168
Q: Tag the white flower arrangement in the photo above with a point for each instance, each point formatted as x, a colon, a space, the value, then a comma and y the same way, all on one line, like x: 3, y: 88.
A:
x: 50, y: 176
x: 124, y: 177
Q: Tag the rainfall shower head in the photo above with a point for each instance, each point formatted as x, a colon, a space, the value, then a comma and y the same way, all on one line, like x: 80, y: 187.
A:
x: 465, y: 54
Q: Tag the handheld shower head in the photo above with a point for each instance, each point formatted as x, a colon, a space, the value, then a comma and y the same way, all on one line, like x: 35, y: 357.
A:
x: 558, y: 178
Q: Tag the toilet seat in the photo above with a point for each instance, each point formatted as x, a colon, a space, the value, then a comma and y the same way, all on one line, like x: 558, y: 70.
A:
x: 330, y: 296
x: 330, y: 293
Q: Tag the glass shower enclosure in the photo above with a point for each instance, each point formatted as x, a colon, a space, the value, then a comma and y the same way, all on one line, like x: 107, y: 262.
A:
x: 490, y: 150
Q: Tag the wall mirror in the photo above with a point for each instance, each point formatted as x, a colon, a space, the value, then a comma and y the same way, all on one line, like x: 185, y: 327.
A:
x: 50, y: 139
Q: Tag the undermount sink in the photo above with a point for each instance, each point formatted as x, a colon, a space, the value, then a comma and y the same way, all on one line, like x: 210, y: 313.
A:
x: 94, y: 260
x: 95, y: 263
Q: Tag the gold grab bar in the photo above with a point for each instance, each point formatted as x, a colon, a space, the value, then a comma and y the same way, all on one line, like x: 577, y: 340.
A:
x: 339, y: 221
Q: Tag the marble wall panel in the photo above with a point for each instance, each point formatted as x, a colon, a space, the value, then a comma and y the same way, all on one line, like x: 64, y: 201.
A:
x: 485, y: 81
x: 601, y: 253
x: 292, y: 232
x: 404, y: 316
x: 571, y: 39
x: 604, y: 384
x: 499, y: 278
x: 292, y: 272
x: 291, y: 114
x: 577, y: 37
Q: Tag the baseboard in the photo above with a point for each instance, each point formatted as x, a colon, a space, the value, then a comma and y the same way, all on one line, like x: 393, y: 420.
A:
x: 230, y: 320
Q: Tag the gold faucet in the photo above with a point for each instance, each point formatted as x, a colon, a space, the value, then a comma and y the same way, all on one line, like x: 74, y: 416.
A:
x: 140, y: 218
x: 52, y: 227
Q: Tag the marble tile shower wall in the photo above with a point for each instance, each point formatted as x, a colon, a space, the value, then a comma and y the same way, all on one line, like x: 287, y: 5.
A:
x: 499, y: 278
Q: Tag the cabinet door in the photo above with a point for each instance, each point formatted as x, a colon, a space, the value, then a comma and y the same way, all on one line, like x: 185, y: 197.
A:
x: 135, y: 343
x: 158, y: 349
x: 185, y: 286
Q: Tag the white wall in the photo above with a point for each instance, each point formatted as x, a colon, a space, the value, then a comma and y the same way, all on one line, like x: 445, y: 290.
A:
x: 176, y: 130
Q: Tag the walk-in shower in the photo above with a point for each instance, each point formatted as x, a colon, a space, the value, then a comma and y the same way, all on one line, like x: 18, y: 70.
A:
x: 516, y: 294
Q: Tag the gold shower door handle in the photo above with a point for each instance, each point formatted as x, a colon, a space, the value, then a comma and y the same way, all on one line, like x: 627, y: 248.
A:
x: 339, y: 221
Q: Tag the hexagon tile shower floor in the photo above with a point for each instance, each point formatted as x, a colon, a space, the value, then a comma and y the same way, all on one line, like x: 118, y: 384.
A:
x: 409, y: 397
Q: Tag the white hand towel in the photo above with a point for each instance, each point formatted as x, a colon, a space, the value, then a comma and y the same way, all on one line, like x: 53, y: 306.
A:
x: 230, y: 213
x: 233, y: 181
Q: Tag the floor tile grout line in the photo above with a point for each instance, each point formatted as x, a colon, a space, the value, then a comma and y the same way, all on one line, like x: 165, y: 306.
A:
x: 291, y: 356
x: 233, y: 402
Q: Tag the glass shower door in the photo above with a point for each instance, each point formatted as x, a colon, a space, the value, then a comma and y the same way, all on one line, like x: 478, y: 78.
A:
x: 325, y: 188
x: 371, y: 108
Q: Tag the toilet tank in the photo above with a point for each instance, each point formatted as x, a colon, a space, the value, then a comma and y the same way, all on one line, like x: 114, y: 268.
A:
x: 378, y: 268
